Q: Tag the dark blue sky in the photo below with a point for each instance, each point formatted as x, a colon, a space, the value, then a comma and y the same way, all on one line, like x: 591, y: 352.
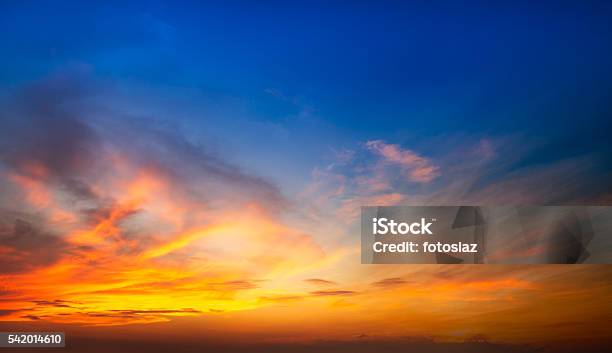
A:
x: 297, y: 80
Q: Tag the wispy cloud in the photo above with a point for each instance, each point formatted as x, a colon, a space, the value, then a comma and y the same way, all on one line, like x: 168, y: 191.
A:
x: 416, y: 167
x: 319, y: 282
x: 325, y: 293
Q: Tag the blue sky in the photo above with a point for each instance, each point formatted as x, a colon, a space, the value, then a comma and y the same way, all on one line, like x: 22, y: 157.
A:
x: 279, y: 88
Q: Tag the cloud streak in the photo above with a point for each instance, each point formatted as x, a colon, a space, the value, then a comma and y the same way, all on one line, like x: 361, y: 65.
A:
x: 416, y: 167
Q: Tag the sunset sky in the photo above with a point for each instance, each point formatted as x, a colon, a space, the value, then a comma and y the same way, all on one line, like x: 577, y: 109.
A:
x: 198, y: 170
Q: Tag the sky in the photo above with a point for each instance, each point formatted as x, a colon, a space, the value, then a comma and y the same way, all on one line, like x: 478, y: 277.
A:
x: 199, y: 168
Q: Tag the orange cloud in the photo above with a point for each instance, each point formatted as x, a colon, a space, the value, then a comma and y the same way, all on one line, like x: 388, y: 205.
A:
x: 35, y: 190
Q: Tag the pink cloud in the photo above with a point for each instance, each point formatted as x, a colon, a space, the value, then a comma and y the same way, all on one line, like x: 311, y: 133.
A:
x: 418, y: 168
x: 485, y: 149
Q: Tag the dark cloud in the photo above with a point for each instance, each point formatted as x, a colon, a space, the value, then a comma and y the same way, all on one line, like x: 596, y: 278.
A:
x: 280, y: 298
x: 389, y: 282
x: 43, y: 124
x: 126, y: 313
x: 148, y: 312
x: 234, y: 285
x: 32, y: 317
x: 319, y: 281
x: 324, y: 293
x: 58, y: 303
x: 79, y: 189
x: 27, y: 247
x: 6, y: 312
